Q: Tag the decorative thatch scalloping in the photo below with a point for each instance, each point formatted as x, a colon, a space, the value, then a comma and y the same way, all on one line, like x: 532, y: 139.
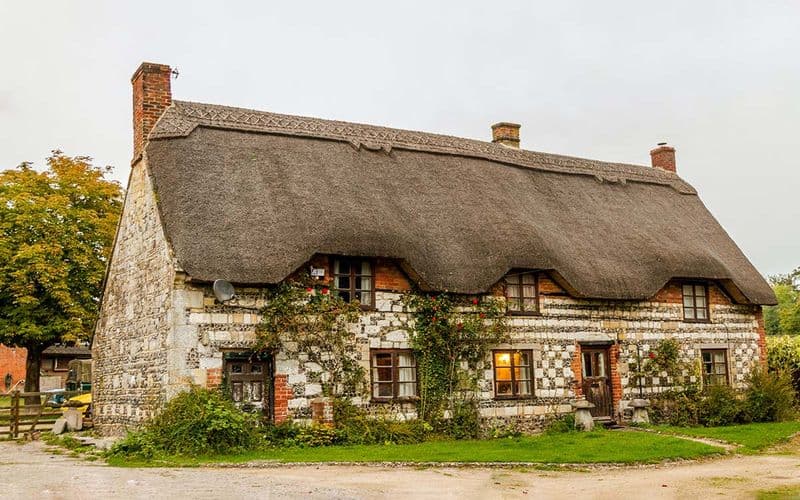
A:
x: 182, y: 118
x: 252, y: 206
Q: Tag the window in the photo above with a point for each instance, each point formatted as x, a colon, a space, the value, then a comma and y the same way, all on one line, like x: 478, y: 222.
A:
x: 394, y: 374
x: 521, y: 293
x: 695, y: 302
x: 353, y: 280
x: 61, y: 364
x: 512, y: 374
x: 715, y: 366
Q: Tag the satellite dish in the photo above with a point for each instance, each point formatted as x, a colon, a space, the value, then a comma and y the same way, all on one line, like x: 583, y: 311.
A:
x: 223, y: 290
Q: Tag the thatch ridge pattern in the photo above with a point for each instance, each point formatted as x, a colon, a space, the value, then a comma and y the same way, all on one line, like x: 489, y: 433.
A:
x: 183, y: 117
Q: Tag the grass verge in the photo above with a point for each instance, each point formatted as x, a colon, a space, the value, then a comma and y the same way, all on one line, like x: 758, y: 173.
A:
x: 579, y: 448
x: 786, y: 493
x: 751, y: 437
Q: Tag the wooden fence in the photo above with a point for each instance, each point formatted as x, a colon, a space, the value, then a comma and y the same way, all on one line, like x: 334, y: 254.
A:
x: 24, y: 412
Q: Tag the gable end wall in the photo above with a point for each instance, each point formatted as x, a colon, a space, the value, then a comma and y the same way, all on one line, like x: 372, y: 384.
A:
x: 130, y: 344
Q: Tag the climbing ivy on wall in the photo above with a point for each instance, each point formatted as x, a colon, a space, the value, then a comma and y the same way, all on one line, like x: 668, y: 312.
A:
x: 664, y: 358
x: 303, y: 318
x: 451, y: 337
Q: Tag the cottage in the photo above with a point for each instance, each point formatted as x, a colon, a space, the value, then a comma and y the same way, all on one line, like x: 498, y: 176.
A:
x: 598, y: 262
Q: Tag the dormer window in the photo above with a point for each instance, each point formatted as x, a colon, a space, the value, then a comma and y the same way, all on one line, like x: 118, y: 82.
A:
x: 695, y: 302
x: 522, y: 296
x: 354, y: 279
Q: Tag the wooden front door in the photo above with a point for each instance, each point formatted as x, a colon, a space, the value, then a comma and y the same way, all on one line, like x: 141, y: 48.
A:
x: 597, y: 379
x: 249, y: 384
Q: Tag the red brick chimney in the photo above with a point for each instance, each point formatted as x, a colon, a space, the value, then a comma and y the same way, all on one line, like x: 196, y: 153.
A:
x: 663, y: 157
x: 151, y: 96
x: 506, y: 134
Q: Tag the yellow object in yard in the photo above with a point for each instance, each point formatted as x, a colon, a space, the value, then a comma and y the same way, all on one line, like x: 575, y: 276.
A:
x: 86, y: 399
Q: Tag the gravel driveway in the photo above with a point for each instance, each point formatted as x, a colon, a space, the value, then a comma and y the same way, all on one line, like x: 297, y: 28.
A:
x: 31, y: 471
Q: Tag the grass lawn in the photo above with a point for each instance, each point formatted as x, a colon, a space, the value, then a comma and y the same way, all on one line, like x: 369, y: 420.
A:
x: 593, y: 447
x: 752, y: 437
x: 789, y: 493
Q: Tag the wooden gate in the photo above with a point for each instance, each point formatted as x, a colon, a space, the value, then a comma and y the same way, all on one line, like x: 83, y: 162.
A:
x: 597, y: 380
x: 24, y: 412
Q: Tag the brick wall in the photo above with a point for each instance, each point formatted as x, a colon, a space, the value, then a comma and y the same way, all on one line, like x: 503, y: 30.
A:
x: 12, y: 361
x: 151, y: 96
x: 283, y: 393
x: 389, y: 276
x: 213, y: 378
x: 577, y: 373
x: 616, y: 384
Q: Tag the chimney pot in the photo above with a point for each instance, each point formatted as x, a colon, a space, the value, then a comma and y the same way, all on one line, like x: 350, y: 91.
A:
x: 151, y: 96
x: 663, y: 157
x: 506, y: 133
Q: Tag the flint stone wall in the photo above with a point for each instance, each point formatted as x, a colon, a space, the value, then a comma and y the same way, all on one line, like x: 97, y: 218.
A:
x: 131, y: 343
x: 554, y: 336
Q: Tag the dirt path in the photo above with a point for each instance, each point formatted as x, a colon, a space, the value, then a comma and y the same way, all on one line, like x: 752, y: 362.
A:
x: 30, y: 471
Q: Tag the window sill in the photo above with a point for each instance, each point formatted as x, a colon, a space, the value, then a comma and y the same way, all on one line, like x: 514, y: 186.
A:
x: 394, y: 400
x: 696, y: 320
x: 523, y: 313
x: 528, y: 397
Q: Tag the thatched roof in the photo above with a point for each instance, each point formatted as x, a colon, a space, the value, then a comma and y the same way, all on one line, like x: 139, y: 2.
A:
x: 249, y: 196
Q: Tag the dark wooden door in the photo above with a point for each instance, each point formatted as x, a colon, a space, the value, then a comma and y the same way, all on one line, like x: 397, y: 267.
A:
x: 249, y: 384
x: 597, y: 380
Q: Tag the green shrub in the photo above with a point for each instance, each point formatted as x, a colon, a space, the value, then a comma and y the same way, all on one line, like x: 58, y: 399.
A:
x: 769, y: 397
x: 679, y: 408
x: 719, y: 406
x: 317, y: 435
x: 195, y: 422
x: 564, y: 423
x: 280, y: 434
x: 783, y: 355
x: 136, y: 443
x: 355, y: 426
x: 464, y: 421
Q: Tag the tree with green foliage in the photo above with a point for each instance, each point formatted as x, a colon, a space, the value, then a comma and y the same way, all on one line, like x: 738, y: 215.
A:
x: 56, y: 231
x: 784, y: 318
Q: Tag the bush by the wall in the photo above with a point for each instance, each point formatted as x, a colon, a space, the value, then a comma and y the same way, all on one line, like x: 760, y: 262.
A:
x: 769, y: 397
x: 720, y: 405
x: 679, y: 408
x: 195, y: 422
x: 783, y: 355
x: 559, y: 425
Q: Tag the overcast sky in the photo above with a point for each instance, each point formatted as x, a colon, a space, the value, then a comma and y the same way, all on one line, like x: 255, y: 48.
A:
x: 606, y: 80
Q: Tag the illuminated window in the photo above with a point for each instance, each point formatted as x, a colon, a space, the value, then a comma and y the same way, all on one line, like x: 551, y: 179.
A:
x: 512, y: 374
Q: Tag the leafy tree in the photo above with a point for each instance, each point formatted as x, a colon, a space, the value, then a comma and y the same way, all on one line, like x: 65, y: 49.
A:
x: 56, y: 232
x: 784, y: 318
